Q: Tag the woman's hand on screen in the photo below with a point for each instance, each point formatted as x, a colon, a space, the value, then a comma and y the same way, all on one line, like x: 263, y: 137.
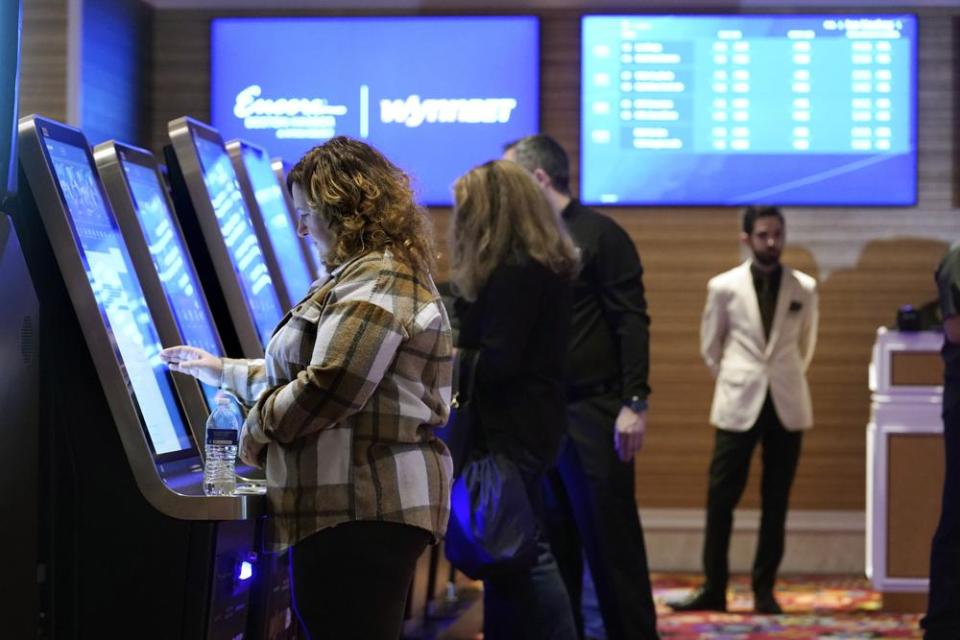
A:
x: 203, y: 366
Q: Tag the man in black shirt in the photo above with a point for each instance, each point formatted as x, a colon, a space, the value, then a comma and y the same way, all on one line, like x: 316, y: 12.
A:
x: 757, y: 336
x: 943, y: 609
x: 593, y: 509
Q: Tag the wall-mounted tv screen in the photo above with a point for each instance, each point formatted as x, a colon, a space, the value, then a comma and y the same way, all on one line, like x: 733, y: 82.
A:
x: 815, y: 110
x: 437, y: 95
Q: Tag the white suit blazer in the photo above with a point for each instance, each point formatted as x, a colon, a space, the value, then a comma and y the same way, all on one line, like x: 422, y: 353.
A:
x: 744, y: 363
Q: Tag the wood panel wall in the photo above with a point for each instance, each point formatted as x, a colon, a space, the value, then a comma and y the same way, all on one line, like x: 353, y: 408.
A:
x: 869, y: 261
x: 43, y: 59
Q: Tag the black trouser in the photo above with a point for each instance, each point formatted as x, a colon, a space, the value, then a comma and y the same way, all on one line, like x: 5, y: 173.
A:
x: 592, y: 510
x: 351, y: 581
x: 729, y: 470
x: 943, y: 610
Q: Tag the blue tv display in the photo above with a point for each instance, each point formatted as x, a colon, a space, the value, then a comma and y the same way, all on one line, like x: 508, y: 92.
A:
x: 437, y: 95
x: 815, y: 110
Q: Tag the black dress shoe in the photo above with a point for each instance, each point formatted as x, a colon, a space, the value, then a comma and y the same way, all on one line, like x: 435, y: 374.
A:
x: 766, y: 603
x: 701, y: 600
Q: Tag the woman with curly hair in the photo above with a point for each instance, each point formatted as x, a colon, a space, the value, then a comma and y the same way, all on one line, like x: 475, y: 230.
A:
x: 512, y: 264
x: 344, y: 405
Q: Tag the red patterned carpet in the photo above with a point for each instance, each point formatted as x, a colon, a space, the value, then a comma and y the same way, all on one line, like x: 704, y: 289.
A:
x: 815, y: 608
x: 837, y: 608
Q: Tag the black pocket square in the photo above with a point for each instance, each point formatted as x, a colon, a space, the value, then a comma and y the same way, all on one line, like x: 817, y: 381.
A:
x: 796, y: 305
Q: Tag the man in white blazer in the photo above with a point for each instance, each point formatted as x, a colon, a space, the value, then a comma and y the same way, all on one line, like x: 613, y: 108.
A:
x: 757, y: 335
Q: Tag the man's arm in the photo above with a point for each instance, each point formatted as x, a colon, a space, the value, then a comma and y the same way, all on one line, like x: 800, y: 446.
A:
x: 951, y: 328
x: 808, y: 334
x: 619, y: 282
x: 619, y: 276
x: 713, y: 328
x: 948, y: 290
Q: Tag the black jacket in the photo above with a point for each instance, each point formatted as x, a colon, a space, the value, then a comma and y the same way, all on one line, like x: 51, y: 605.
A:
x: 519, y: 324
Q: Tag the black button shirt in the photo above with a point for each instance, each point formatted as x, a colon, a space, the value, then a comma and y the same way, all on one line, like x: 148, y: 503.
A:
x: 610, y: 334
x: 767, y: 286
x: 948, y: 289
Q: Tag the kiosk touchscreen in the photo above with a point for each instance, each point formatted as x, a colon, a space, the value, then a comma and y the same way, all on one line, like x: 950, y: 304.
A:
x: 105, y: 265
x: 280, y: 171
x: 231, y: 258
x: 266, y: 199
x: 138, y: 196
x: 116, y: 429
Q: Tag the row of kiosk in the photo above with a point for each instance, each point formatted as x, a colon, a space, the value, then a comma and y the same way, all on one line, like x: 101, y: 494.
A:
x: 107, y: 259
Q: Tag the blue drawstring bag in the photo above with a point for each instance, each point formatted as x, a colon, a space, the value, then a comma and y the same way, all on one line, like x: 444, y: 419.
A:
x: 492, y: 529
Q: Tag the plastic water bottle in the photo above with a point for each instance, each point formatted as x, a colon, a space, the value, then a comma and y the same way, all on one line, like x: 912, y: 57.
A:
x: 223, y: 432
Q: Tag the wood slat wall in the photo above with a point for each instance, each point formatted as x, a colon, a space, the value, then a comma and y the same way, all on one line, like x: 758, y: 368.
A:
x: 43, y: 59
x: 869, y: 261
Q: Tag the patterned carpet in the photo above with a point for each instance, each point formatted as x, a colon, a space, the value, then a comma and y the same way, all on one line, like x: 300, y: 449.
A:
x: 816, y: 608
x: 835, y: 608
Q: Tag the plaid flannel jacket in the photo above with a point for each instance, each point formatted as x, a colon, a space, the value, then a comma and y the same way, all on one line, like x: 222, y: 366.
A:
x: 356, y: 377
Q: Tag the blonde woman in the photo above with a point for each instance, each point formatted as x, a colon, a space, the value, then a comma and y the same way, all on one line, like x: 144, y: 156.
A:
x: 512, y: 265
x: 344, y: 406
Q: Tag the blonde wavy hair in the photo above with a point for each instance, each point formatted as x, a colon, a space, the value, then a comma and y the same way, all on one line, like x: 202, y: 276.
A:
x: 367, y: 202
x: 501, y: 215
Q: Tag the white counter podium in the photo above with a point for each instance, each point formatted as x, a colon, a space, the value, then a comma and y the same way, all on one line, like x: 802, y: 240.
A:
x: 904, y: 463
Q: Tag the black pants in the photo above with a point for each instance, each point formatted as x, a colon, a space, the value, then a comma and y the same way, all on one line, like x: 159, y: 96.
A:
x: 351, y: 581
x: 592, y: 511
x: 942, y: 621
x: 729, y: 470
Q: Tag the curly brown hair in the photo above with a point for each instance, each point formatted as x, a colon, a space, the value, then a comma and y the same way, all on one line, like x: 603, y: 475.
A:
x: 501, y: 215
x: 366, y: 200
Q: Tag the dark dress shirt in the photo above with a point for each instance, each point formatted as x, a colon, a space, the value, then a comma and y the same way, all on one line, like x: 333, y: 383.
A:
x: 520, y: 325
x: 610, y: 335
x: 948, y: 289
x: 767, y: 286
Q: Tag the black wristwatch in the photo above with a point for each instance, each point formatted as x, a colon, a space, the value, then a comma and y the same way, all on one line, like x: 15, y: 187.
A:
x: 636, y: 404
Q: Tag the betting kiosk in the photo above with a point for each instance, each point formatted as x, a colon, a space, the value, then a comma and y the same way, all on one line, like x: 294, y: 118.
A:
x: 19, y: 375
x: 137, y: 194
x: 19, y: 384
x: 130, y: 545
x: 230, y: 257
x: 280, y: 170
x: 264, y: 195
x: 139, y: 199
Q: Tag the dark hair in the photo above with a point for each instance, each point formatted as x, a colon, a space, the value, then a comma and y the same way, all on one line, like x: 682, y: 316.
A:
x: 365, y: 199
x: 540, y: 151
x: 751, y: 214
